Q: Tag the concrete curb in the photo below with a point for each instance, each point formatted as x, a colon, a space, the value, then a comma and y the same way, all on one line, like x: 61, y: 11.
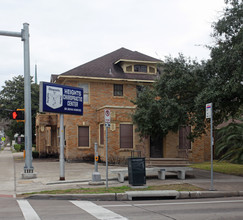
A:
x: 75, y: 181
x: 208, y: 194
x: 90, y: 197
x: 135, y: 195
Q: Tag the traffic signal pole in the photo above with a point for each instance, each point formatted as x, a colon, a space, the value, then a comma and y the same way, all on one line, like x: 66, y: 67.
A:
x: 28, y: 168
x: 24, y: 35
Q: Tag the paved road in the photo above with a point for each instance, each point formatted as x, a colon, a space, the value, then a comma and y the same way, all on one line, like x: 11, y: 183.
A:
x: 227, y: 208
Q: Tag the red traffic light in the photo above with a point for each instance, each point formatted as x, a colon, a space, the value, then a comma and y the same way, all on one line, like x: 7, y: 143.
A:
x: 14, y: 115
x: 17, y: 115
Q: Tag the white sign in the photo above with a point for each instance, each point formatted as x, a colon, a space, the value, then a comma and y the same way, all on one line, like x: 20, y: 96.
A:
x: 209, y: 110
x: 107, y: 116
x: 54, y: 97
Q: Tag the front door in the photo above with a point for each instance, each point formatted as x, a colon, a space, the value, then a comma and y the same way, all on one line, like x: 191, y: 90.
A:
x: 156, y: 146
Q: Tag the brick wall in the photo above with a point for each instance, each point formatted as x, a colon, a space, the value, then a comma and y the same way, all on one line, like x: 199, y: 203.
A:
x: 100, y: 98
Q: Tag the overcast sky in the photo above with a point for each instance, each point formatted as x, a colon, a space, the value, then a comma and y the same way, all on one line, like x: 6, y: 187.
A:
x: 67, y: 33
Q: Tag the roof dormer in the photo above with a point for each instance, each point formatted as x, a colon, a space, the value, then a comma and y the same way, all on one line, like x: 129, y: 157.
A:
x: 136, y: 66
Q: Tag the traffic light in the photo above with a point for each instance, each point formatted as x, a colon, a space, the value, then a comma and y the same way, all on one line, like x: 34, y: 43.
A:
x: 17, y: 115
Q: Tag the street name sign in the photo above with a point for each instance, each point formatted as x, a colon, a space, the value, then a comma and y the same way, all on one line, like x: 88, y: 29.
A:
x: 61, y: 99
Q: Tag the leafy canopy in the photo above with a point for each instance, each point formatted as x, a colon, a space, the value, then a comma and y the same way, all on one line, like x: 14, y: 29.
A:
x: 171, y: 101
x: 186, y: 86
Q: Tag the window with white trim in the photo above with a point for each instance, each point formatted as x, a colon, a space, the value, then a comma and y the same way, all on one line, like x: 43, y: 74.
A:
x: 85, y: 87
x: 101, y: 134
x: 83, y: 136
x: 118, y: 90
x: 126, y: 136
x: 140, y: 68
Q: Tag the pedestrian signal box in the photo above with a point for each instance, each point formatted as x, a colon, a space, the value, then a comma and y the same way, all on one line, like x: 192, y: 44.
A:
x: 17, y: 115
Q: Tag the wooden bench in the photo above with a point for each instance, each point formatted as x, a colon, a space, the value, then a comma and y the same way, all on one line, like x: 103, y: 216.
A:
x: 161, y: 171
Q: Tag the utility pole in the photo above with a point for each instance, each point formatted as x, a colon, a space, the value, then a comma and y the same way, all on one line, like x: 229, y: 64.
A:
x: 35, y: 73
x: 24, y: 35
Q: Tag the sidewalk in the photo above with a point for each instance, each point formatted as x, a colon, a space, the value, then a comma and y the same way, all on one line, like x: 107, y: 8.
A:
x: 7, y: 173
x: 78, y: 175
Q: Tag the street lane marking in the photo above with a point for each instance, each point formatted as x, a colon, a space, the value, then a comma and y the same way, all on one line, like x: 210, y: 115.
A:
x: 175, y: 203
x: 27, y: 210
x: 119, y: 205
x: 98, y: 211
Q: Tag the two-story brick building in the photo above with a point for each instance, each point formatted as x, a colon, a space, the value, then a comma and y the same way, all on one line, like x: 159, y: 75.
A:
x: 111, y: 82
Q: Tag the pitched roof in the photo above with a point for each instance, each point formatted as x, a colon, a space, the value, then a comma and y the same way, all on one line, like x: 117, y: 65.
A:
x: 53, y: 77
x: 108, y: 66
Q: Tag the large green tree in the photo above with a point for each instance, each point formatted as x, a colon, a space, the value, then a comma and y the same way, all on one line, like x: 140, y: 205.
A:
x: 185, y: 85
x: 226, y: 64
x: 170, y: 102
x: 12, y: 98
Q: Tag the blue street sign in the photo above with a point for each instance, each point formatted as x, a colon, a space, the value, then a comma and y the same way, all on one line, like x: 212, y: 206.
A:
x: 61, y: 99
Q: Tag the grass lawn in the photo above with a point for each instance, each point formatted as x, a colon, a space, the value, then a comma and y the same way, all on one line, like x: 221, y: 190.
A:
x: 122, y: 189
x: 221, y: 167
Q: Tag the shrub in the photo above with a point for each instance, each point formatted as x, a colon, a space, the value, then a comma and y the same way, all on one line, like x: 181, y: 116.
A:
x: 17, y: 147
x: 22, y: 147
x: 229, y: 141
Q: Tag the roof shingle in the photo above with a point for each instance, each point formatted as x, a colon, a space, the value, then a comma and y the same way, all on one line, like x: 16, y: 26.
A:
x: 105, y: 67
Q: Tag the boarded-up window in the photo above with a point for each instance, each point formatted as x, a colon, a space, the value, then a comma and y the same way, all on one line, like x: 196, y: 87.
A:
x: 126, y: 136
x: 101, y: 134
x: 184, y: 142
x: 83, y: 136
x: 85, y: 87
x: 118, y: 90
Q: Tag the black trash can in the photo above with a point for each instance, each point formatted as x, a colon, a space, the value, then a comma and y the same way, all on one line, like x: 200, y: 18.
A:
x: 136, y: 171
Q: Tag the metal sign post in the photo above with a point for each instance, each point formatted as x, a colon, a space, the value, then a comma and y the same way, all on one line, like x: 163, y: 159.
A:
x: 107, y: 124
x: 209, y: 114
x: 61, y: 157
x: 24, y: 35
x: 64, y: 100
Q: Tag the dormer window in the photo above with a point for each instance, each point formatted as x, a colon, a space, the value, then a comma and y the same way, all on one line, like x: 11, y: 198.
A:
x: 151, y: 69
x: 140, y: 68
x: 129, y: 68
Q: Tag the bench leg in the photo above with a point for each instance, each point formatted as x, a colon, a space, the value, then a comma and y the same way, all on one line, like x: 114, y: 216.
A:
x: 161, y: 174
x: 121, y: 177
x: 181, y: 174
